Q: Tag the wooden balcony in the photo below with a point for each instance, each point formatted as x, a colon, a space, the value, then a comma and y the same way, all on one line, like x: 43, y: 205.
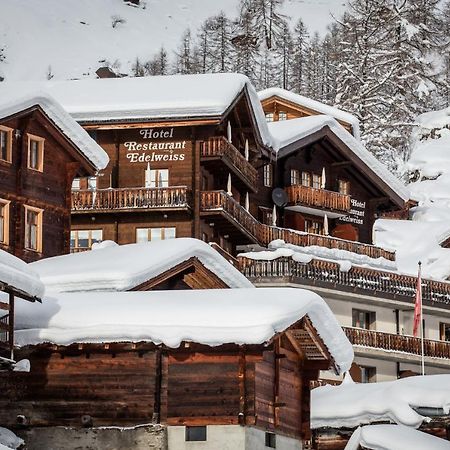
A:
x: 358, y: 280
x: 219, y: 149
x: 129, y: 199
x: 221, y: 202
x: 397, y: 342
x: 321, y: 199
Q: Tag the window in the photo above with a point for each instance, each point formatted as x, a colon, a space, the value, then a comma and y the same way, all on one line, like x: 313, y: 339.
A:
x: 306, y: 179
x: 363, y: 319
x: 445, y: 331
x: 269, y: 117
x: 344, y: 187
x: 368, y: 374
x: 92, y: 183
x: 33, y: 229
x: 4, y: 222
x: 158, y: 178
x: 312, y: 226
x: 76, y: 184
x: 271, y: 440
x: 316, y: 181
x: 83, y: 239
x: 282, y: 115
x: 5, y: 143
x: 195, y: 434
x: 295, y: 177
x: 155, y: 234
x: 35, y: 153
x: 268, y: 175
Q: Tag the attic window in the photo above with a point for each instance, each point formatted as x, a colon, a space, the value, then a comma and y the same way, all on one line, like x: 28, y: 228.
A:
x: 195, y: 433
x: 282, y: 115
x: 35, y: 153
x: 269, y: 117
x: 5, y: 143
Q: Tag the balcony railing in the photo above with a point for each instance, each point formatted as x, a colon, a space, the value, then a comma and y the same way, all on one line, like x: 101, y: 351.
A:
x: 264, y: 234
x: 219, y: 147
x: 358, y: 279
x: 397, y: 343
x: 176, y: 197
x: 318, y: 198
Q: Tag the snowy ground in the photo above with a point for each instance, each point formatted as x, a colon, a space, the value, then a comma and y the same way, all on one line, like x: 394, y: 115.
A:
x: 79, y: 36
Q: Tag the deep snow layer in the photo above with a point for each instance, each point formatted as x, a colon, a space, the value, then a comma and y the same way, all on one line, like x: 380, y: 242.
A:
x: 112, y: 267
x: 209, y: 316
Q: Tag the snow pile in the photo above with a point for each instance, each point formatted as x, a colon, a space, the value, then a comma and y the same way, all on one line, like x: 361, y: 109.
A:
x: 314, y: 105
x: 420, y: 239
x: 394, y: 437
x: 18, y: 274
x: 13, y: 101
x: 287, y: 132
x: 145, y: 98
x: 352, y: 404
x: 344, y: 258
x: 8, y: 440
x: 211, y: 317
x: 112, y: 267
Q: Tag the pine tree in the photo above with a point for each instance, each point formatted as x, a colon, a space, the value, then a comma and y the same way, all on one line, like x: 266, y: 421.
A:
x: 158, y: 65
x: 185, y: 62
x: 299, y: 57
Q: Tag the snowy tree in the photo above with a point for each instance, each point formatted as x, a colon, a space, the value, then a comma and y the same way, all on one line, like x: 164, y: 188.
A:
x: 186, y: 60
x: 299, y: 56
x: 158, y: 65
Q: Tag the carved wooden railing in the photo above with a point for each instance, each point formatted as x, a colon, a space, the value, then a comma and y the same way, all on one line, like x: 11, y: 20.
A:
x: 372, y: 282
x: 320, y: 198
x: 397, y: 342
x: 130, y: 198
x: 228, y: 256
x: 220, y: 147
x: 4, y: 328
x: 264, y: 234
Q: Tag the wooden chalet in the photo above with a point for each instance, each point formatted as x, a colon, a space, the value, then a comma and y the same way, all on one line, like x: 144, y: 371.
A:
x: 247, y: 369
x: 42, y: 149
x: 192, y: 156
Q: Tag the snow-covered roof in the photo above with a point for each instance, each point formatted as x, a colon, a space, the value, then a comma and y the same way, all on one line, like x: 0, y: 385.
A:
x: 13, y: 100
x: 352, y: 404
x: 112, y: 267
x: 209, y: 316
x: 394, y: 437
x: 279, y: 248
x: 19, y: 275
x: 309, y: 103
x: 287, y: 132
x: 151, y: 98
x: 8, y: 440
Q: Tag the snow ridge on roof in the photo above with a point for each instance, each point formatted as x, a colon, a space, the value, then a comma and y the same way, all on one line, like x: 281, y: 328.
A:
x: 18, y: 274
x: 352, y: 404
x: 14, y: 101
x: 152, y: 97
x: 207, y: 316
x: 113, y: 267
x: 309, y: 103
x: 286, y: 132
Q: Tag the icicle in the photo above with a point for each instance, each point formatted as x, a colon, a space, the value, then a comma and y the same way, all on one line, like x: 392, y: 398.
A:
x: 247, y: 201
x: 325, y: 225
x: 274, y: 216
x: 246, y: 150
x: 148, y: 177
x: 229, y: 132
x: 323, y: 182
x: 229, y: 185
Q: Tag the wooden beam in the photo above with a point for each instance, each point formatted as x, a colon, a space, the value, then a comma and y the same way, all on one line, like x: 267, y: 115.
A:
x: 4, y: 306
x: 11, y: 324
x: 156, y: 124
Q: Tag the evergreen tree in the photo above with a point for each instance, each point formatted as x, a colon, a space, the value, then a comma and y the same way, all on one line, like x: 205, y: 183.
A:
x: 300, y: 47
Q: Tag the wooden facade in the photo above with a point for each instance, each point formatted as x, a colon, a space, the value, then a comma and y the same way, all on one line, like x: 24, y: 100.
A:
x: 265, y: 386
x: 36, y: 173
x: 213, y: 179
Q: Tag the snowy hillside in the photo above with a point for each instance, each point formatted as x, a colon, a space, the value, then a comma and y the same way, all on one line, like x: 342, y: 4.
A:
x: 73, y: 38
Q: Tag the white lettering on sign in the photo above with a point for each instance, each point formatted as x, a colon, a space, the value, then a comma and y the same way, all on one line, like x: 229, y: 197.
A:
x: 136, y: 151
x: 356, y: 214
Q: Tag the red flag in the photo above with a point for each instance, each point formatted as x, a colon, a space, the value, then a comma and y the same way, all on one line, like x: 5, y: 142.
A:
x: 418, y: 304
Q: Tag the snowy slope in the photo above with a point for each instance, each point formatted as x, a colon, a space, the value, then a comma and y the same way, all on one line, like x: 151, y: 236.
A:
x: 75, y: 37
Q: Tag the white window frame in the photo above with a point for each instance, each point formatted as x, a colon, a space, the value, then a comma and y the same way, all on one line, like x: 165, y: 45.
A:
x: 27, y: 243
x: 6, y: 206
x: 40, y: 156
x: 163, y: 231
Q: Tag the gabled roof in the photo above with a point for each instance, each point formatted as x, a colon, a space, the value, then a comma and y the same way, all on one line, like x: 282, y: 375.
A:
x: 172, y: 97
x: 210, y: 317
x: 112, y: 267
x: 313, y: 105
x: 290, y: 135
x: 14, y: 101
x: 18, y: 277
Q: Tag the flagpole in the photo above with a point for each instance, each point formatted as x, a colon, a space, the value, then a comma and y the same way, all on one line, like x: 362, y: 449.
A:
x: 421, y: 321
